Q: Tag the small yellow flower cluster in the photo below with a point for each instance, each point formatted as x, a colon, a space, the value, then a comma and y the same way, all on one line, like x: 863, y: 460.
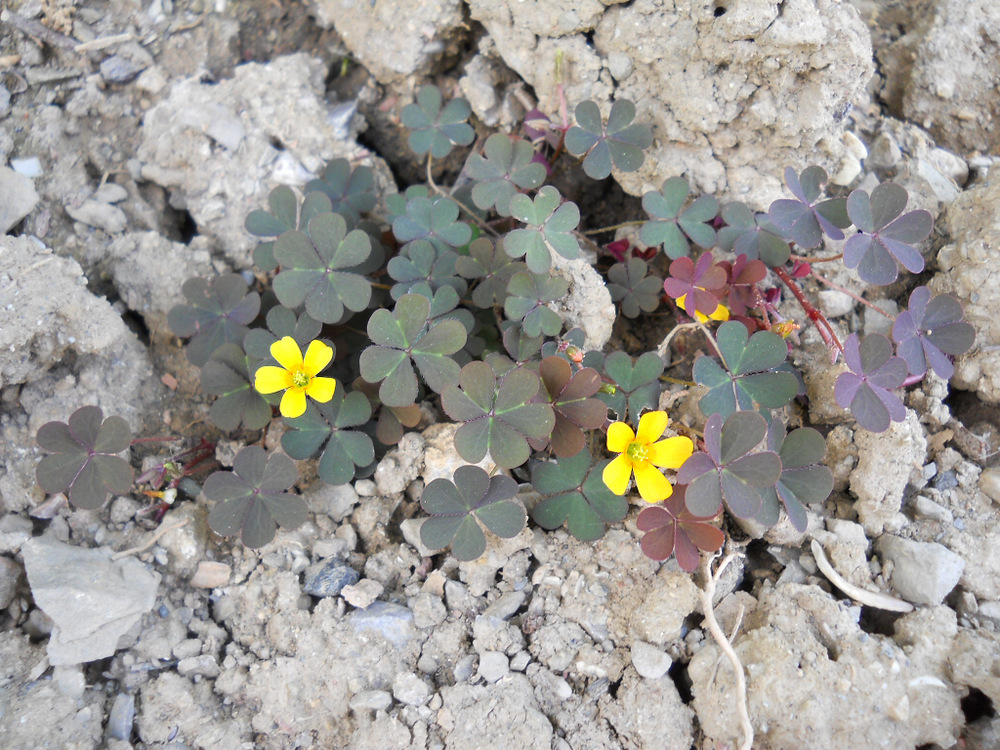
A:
x: 297, y: 376
x: 641, y: 453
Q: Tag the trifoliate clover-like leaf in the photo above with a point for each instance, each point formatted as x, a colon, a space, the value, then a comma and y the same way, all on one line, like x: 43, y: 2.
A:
x: 82, y: 460
x: 670, y: 529
x: 752, y: 235
x: 218, y: 312
x: 528, y: 295
x: 701, y: 284
x: 229, y: 376
x: 618, y: 144
x: 574, y: 493
x: 929, y: 330
x: 867, y: 389
x: 550, y: 225
x: 497, y: 413
x: 457, y: 508
x: 392, y: 420
x: 402, y: 339
x: 351, y: 190
x: 727, y: 471
x: 491, y: 267
x: 805, y: 220
x: 636, y: 386
x: 317, y: 269
x: 421, y: 269
x: 284, y: 216
x: 570, y: 394
x: 436, y: 128
x: 637, y: 292
x: 328, y: 427
x: 252, y: 499
x: 518, y: 344
x: 743, y: 276
x: 803, y: 480
x: 884, y: 237
x: 751, y: 377
x: 505, y: 169
x: 671, y: 226
x: 434, y: 220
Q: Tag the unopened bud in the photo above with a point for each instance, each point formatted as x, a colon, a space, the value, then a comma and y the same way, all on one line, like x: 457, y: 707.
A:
x: 785, y: 328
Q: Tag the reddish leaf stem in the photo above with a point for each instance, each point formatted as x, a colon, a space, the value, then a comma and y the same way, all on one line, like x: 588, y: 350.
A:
x: 818, y: 319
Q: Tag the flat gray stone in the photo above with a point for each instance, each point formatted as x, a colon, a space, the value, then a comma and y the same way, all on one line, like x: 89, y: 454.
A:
x: 92, y: 600
x: 17, y: 198
x: 923, y: 572
x: 493, y: 666
x: 330, y: 579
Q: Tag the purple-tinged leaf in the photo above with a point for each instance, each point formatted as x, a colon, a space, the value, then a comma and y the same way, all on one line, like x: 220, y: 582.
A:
x: 867, y: 389
x: 930, y: 330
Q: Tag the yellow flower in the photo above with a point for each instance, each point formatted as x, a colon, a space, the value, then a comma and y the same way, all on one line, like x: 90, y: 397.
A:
x: 721, y: 312
x: 641, y: 453
x: 297, y: 375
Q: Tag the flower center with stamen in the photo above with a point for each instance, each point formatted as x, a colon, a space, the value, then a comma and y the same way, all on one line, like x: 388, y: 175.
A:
x: 300, y: 379
x: 638, y: 451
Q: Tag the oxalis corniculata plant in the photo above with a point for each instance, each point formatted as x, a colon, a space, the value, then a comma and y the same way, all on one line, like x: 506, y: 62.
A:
x: 355, y: 318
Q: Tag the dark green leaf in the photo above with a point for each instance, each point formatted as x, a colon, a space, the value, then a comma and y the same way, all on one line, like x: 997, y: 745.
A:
x: 82, y: 461
x: 435, y: 128
x: 637, y: 292
x: 506, y: 169
x: 328, y: 426
x: 456, y: 506
x: 227, y: 375
x: 218, y: 312
x: 574, y: 492
x: 351, y: 191
x: 619, y: 143
x: 672, y: 227
x: 550, y: 226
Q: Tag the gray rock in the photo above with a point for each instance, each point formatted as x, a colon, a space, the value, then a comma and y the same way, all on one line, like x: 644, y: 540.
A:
x: 411, y: 533
x: 121, y: 717
x: 337, y: 501
x: 204, y: 666
x: 393, y: 621
x: 923, y: 572
x: 989, y: 483
x: 330, y: 578
x: 945, y: 481
x: 520, y: 661
x: 19, y: 198
x: 506, y: 605
x: 10, y: 572
x: 421, y: 33
x: 14, y: 532
x: 401, y: 465
x: 493, y: 666
x: 649, y: 661
x: 117, y: 69
x: 99, y: 215
x: 428, y: 610
x: 410, y: 689
x: 4, y: 101
x: 371, y: 700
x: 464, y: 668
x: 92, y: 601
x: 211, y: 574
x: 363, y: 593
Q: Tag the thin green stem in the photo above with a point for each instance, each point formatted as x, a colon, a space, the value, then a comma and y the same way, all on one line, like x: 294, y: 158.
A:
x: 441, y: 191
x: 613, y: 227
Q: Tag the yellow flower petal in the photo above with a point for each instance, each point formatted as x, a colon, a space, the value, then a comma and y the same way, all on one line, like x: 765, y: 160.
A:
x: 293, y: 403
x: 720, y: 313
x: 617, y: 473
x: 287, y: 353
x: 651, y: 426
x: 671, y: 453
x: 321, y: 389
x: 652, y: 485
x: 619, y: 437
x: 681, y: 300
x: 318, y: 356
x: 270, y: 379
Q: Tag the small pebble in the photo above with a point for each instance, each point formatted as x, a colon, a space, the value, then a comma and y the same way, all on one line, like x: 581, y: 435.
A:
x: 493, y: 666
x: 121, y: 717
x: 204, y: 665
x: 210, y: 575
x: 371, y: 700
x: 649, y: 661
x: 989, y: 483
x: 945, y: 481
x: 363, y: 593
x: 410, y: 689
x: 10, y: 572
x: 330, y: 579
x: 116, y: 69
